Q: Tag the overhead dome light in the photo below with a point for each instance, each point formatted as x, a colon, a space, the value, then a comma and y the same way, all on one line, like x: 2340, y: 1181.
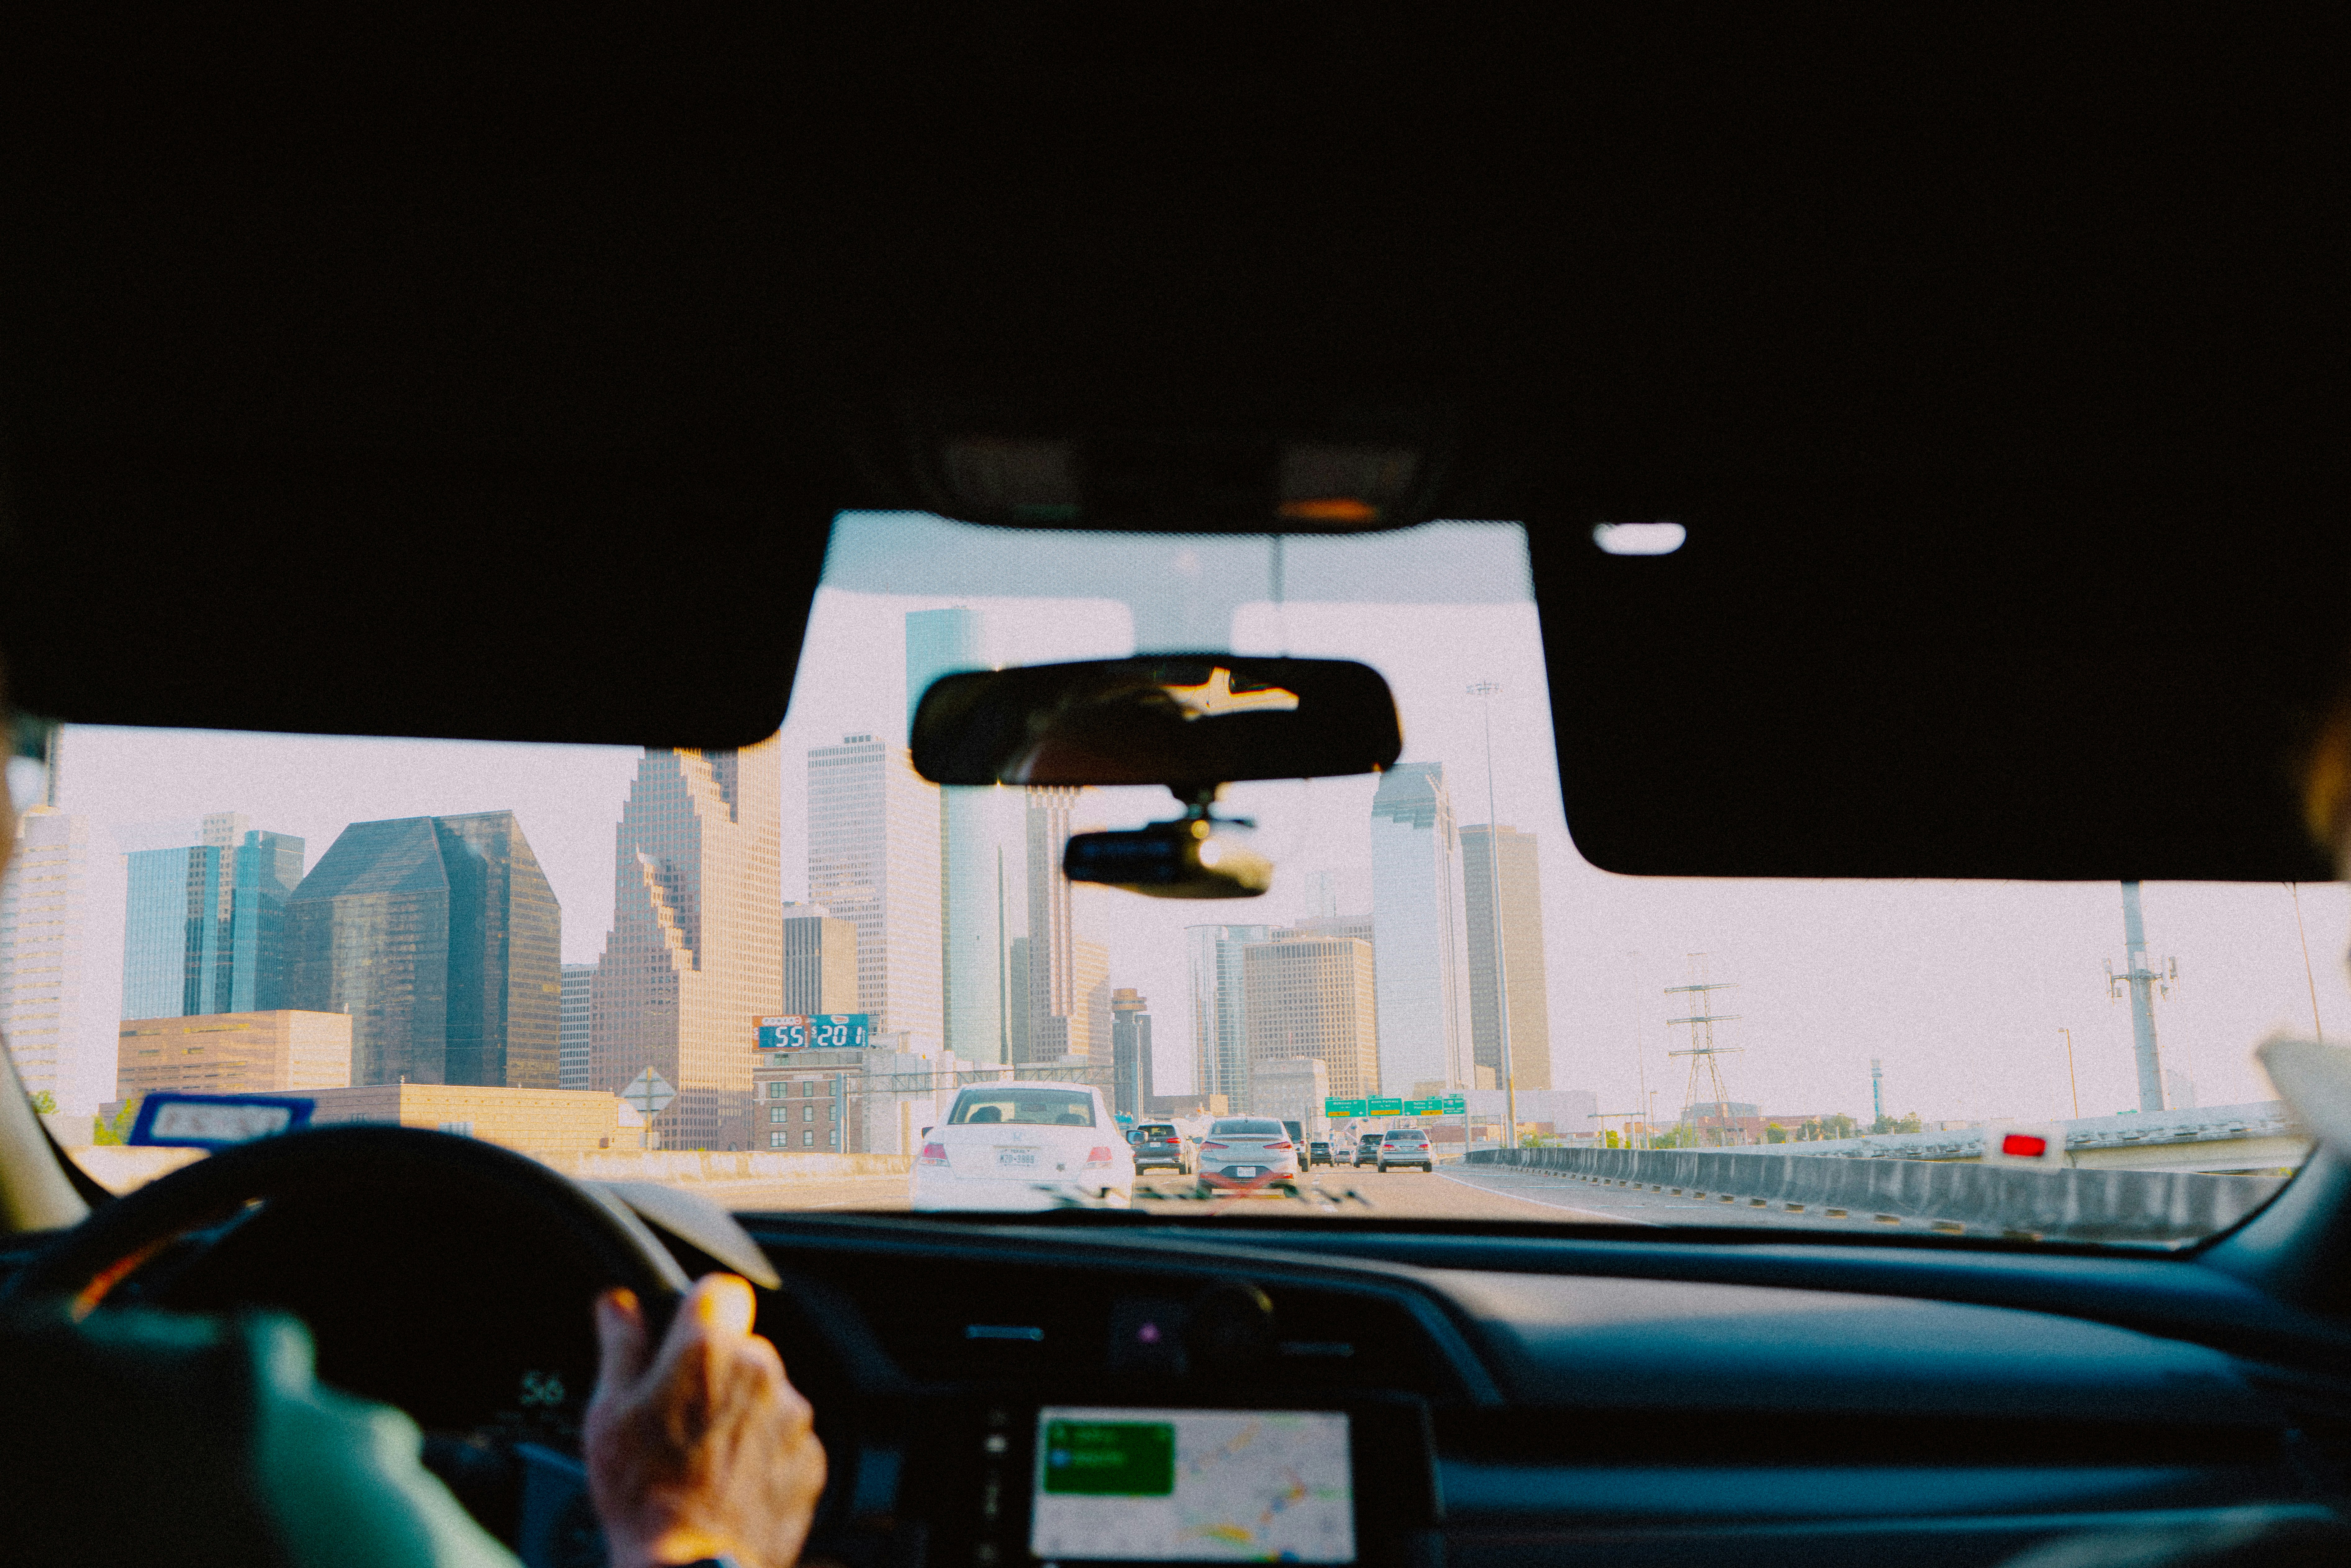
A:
x: 1638, y: 538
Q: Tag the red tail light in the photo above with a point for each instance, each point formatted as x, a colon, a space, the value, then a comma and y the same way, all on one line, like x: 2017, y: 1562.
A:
x: 1283, y: 1144
x: 1215, y: 1145
x: 932, y: 1154
x: 2024, y: 1145
x: 1099, y: 1154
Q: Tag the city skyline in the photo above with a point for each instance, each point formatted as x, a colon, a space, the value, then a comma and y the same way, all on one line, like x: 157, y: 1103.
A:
x: 1832, y: 974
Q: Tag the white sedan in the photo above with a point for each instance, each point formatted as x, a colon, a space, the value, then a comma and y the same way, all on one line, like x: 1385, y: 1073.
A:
x: 1024, y: 1145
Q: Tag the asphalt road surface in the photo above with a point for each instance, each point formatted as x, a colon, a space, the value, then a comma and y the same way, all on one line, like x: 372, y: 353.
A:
x: 1413, y: 1194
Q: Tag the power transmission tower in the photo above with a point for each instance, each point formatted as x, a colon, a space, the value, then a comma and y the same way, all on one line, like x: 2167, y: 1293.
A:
x: 1705, y: 1071
x: 2145, y: 983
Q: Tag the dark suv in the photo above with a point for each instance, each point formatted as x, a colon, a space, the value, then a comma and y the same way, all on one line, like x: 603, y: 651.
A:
x: 1406, y: 1147
x: 1367, y: 1149
x: 1159, y: 1146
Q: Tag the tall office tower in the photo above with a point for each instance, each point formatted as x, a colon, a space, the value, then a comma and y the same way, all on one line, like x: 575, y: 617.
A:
x: 1016, y: 1001
x: 45, y: 984
x: 1422, y: 934
x: 1358, y: 926
x: 938, y: 642
x: 579, y: 998
x: 1219, y: 1010
x: 695, y: 953
x: 1090, y: 1024
x: 820, y: 961
x: 441, y: 939
x: 1057, y: 1017
x: 1314, y: 997
x: 1519, y: 888
x: 1130, y: 1052
x: 873, y: 861
x: 204, y: 925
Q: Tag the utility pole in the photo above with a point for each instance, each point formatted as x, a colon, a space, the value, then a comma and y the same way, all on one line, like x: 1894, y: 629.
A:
x: 2309, y: 978
x: 1486, y: 691
x: 1877, y: 1090
x: 1702, y: 1050
x: 2071, y: 1081
x: 2145, y: 984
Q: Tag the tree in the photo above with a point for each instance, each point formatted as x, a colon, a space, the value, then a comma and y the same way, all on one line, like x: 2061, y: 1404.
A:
x: 1774, y: 1132
x: 45, y: 1102
x: 118, y: 1131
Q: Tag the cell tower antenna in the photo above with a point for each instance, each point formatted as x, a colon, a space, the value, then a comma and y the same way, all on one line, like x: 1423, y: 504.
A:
x: 1705, y: 1069
x: 2144, y: 982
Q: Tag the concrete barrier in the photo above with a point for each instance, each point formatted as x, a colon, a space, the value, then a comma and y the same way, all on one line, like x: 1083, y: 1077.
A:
x: 1971, y: 1199
x: 119, y: 1170
x: 698, y: 1167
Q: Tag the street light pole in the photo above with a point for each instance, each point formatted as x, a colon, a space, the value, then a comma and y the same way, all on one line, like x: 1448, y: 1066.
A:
x: 1487, y: 691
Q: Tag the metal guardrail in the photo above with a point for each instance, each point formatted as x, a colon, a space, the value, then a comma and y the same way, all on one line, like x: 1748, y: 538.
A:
x: 2053, y: 1204
x: 2211, y: 1124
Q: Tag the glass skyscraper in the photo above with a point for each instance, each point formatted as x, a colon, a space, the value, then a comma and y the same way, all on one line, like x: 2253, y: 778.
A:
x: 1420, y: 931
x: 938, y: 642
x: 1220, y: 1010
x: 441, y: 939
x: 873, y: 860
x: 578, y: 984
x: 204, y: 925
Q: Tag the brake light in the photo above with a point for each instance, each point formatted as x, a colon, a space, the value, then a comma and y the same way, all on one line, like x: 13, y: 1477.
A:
x: 1097, y: 1156
x: 932, y: 1154
x: 2024, y: 1145
x: 1283, y: 1144
x: 1214, y: 1146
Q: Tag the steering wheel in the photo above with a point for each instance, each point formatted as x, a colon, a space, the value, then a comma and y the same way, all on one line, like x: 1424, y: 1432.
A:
x: 349, y: 1173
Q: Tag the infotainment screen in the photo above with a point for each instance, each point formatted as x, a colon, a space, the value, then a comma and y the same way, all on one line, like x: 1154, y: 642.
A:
x: 1193, y: 1486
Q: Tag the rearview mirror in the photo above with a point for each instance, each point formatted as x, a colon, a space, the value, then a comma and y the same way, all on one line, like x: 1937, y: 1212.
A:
x: 1188, y: 721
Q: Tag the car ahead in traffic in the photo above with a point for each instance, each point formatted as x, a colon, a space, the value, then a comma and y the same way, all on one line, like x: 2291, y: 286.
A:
x: 1247, y: 1152
x: 1367, y: 1149
x: 1024, y: 1145
x: 1159, y: 1146
x: 1318, y: 1153
x: 1406, y: 1147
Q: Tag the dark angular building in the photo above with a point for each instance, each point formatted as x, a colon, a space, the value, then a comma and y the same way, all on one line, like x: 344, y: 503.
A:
x: 1130, y: 1051
x: 441, y: 939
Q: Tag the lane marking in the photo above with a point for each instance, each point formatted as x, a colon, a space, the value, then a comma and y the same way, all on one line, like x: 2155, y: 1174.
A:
x: 1613, y: 1218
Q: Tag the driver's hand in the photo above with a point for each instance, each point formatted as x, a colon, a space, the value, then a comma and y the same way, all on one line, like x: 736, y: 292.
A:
x: 703, y: 1448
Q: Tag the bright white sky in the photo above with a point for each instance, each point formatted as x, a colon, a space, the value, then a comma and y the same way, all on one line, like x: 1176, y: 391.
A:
x: 1962, y: 987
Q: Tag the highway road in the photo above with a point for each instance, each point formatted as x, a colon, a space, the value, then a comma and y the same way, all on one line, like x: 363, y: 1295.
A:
x: 1447, y: 1195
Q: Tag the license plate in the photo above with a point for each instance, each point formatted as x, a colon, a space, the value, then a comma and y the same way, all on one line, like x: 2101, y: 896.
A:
x: 1024, y: 1159
x: 1247, y: 1170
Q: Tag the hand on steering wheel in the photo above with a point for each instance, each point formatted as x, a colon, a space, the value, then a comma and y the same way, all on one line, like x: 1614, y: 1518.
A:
x: 703, y: 1448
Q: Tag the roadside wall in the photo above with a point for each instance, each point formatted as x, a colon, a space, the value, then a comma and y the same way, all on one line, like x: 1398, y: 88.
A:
x: 1963, y: 1198
x: 119, y: 1170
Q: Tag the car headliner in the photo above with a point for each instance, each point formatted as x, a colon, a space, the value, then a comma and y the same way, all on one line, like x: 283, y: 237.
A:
x: 421, y: 377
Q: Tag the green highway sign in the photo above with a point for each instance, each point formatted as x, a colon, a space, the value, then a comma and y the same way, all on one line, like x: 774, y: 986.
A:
x: 1421, y: 1107
x: 1453, y: 1105
x: 1345, y: 1108
x: 1386, y: 1108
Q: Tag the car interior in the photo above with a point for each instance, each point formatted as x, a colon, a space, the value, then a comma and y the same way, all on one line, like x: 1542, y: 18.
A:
x: 435, y: 375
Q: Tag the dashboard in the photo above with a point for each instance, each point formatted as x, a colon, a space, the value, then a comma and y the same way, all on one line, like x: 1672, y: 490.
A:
x: 1025, y: 1391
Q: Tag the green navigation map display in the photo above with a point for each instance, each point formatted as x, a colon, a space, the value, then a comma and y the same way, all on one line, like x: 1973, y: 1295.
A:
x: 1193, y: 1486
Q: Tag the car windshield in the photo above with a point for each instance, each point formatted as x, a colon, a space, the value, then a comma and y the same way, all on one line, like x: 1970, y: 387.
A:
x: 1158, y: 1133
x: 765, y: 974
x: 1026, y: 1107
